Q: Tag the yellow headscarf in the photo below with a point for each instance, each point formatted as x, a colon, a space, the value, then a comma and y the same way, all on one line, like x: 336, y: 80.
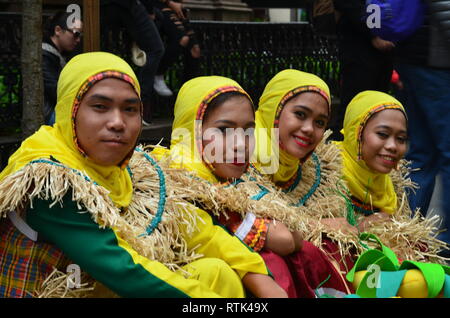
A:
x: 369, y: 187
x: 58, y: 143
x: 186, y: 142
x: 283, y: 86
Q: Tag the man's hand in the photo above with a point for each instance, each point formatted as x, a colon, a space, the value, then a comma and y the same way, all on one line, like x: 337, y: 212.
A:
x: 177, y: 8
x: 382, y: 45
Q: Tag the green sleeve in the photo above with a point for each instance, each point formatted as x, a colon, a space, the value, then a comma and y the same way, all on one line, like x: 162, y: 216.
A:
x: 105, y: 256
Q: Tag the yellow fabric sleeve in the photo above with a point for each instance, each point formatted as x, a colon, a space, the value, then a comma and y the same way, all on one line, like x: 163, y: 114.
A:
x: 214, y: 241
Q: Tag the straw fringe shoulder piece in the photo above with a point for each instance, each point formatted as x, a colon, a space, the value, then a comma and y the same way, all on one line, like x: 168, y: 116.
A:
x: 247, y: 194
x: 154, y: 205
x: 410, y: 235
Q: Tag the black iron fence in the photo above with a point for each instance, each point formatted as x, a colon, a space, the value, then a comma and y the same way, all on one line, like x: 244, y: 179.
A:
x: 10, y: 74
x: 251, y: 53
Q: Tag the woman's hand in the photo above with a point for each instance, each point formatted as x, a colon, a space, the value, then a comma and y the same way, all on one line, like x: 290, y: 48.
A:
x: 367, y: 221
x: 339, y: 224
x: 263, y: 286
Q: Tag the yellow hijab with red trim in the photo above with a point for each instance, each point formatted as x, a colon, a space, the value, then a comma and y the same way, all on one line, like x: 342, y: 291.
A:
x: 372, y: 188
x: 58, y: 141
x: 186, y: 141
x: 270, y: 158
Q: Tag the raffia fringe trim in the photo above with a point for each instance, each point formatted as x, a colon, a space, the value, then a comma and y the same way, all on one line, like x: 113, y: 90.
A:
x: 276, y: 205
x: 178, y: 220
x: 58, y: 285
x: 62, y: 285
x: 221, y: 199
x: 50, y: 182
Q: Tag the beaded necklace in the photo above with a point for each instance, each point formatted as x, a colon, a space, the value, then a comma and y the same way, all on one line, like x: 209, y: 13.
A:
x: 162, y: 193
x: 292, y: 184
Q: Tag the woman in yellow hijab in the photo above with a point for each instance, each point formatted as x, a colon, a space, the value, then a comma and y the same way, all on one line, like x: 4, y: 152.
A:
x: 206, y: 109
x: 283, y: 141
x: 375, y: 140
x: 291, y: 119
x: 212, y: 138
x: 79, y: 201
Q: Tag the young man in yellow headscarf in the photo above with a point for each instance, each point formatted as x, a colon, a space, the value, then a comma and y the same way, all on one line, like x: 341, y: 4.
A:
x: 78, y: 195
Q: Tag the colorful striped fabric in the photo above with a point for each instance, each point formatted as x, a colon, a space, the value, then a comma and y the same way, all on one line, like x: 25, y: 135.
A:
x: 255, y: 233
x: 363, y: 208
x: 24, y: 264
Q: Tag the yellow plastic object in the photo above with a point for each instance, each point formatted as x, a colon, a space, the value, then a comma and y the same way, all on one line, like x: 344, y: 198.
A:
x: 358, y: 278
x: 413, y: 285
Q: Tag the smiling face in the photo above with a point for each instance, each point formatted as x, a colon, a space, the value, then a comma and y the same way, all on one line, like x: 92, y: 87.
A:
x: 228, y: 139
x: 302, y: 123
x: 108, y: 121
x: 384, y: 140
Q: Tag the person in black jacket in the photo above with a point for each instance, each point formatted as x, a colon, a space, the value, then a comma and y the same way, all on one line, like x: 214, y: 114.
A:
x: 62, y: 34
x: 176, y: 29
x: 366, y: 60
x: 423, y: 63
x: 134, y: 17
